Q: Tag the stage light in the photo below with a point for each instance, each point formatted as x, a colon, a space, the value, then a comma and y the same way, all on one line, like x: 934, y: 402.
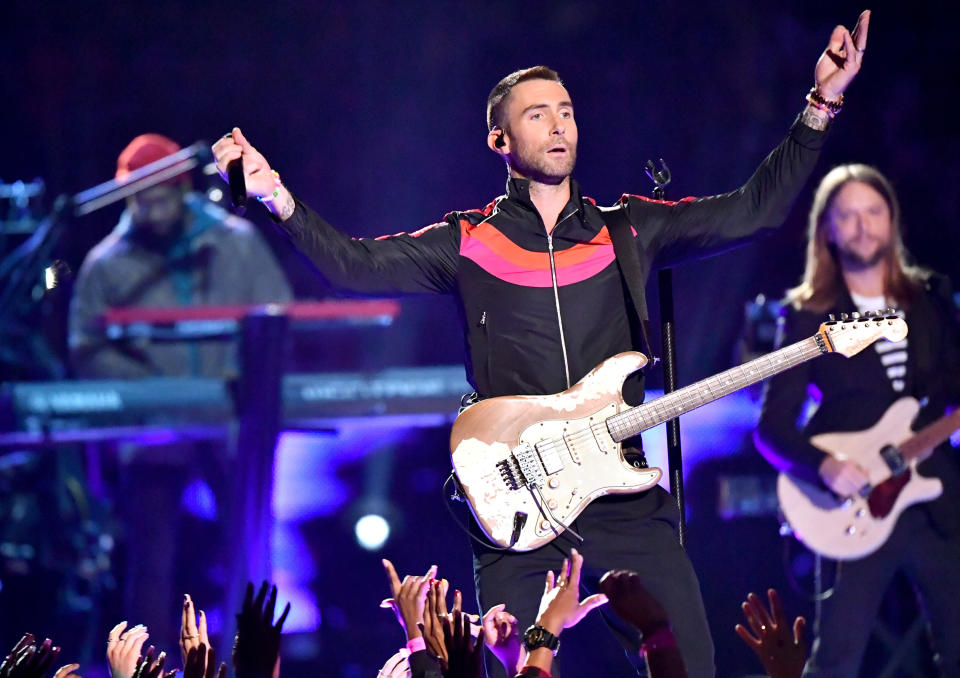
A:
x: 372, y: 531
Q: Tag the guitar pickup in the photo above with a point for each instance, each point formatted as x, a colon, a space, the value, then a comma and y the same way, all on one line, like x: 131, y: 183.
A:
x: 549, y: 456
x: 894, y: 459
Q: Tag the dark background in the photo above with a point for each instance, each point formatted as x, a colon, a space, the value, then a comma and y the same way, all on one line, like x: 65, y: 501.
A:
x: 373, y: 112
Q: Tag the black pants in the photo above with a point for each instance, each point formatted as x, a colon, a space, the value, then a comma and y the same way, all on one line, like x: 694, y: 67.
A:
x: 846, y: 619
x: 632, y: 532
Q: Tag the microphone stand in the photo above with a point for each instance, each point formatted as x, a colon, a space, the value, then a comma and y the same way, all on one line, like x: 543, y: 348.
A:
x: 661, y: 177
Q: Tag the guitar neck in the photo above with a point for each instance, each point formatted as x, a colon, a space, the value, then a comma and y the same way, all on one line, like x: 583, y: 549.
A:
x: 920, y: 446
x: 642, y: 417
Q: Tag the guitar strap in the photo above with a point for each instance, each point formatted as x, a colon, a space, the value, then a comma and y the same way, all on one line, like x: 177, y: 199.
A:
x: 628, y: 259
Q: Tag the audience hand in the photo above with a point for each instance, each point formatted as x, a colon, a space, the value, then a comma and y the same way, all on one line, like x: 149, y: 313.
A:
x: 148, y: 668
x: 560, y: 607
x: 464, y: 653
x: 27, y: 659
x: 782, y: 651
x: 201, y: 662
x: 397, y: 666
x: 67, y: 671
x: 193, y: 633
x: 408, y: 598
x: 632, y: 602
x: 502, y: 636
x: 123, y: 649
x: 256, y: 649
x: 433, y: 615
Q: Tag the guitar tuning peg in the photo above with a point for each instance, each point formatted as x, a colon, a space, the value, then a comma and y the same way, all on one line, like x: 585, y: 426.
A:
x: 891, y: 310
x: 856, y: 314
x: 831, y: 317
x: 843, y: 317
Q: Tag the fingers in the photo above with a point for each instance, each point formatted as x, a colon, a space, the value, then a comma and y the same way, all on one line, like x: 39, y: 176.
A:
x: 800, y: 631
x: 392, y: 577
x: 202, y: 630
x: 576, y: 564
x: 457, y: 602
x: 776, y: 608
x: 564, y: 572
x: 851, y: 56
x: 759, y: 610
x: 860, y: 30
x: 591, y: 602
x: 747, y: 637
x: 283, y: 617
x: 238, y: 137
x: 188, y: 621
x: 114, y: 632
x: 442, y: 588
x: 431, y: 572
x: 66, y: 671
x: 222, y: 671
x: 549, y: 582
x: 271, y: 605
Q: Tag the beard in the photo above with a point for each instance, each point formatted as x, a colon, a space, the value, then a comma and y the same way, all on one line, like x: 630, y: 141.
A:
x: 854, y: 261
x: 538, y: 165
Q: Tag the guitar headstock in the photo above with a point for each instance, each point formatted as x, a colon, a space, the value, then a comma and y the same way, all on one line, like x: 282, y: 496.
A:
x: 851, y: 334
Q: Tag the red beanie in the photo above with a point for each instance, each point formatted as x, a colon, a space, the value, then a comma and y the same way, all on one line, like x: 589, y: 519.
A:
x: 142, y: 151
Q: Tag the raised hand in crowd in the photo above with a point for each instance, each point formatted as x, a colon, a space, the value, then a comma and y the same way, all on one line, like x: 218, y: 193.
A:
x: 501, y: 635
x: 29, y: 660
x: 67, y: 671
x: 149, y: 667
x: 779, y: 647
x: 201, y: 662
x: 433, y: 615
x: 634, y: 604
x: 124, y: 648
x: 397, y: 666
x: 193, y: 629
x: 409, y: 607
x: 256, y: 649
x: 464, y: 652
x: 561, y: 607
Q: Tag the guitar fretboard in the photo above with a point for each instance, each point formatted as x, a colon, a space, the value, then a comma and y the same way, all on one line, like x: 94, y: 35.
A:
x: 642, y: 417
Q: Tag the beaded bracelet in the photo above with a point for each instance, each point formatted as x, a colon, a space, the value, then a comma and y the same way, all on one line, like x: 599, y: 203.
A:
x: 276, y: 191
x: 815, y: 99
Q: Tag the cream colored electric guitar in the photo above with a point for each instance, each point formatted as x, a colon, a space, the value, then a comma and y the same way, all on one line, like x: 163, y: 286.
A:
x: 529, y: 465
x: 889, y: 451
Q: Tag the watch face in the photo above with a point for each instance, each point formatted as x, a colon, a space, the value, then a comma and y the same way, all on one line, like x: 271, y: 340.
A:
x: 537, y: 636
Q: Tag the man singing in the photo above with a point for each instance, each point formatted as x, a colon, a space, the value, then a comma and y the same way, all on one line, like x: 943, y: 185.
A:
x: 541, y: 302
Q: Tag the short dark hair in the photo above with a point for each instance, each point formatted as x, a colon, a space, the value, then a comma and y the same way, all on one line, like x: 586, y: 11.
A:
x: 496, y: 102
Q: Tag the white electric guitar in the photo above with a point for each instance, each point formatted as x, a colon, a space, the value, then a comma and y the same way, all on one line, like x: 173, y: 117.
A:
x: 889, y: 451
x: 529, y: 465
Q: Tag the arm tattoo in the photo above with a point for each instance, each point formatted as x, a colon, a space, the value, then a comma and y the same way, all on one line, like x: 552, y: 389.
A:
x: 286, y: 209
x: 815, y: 119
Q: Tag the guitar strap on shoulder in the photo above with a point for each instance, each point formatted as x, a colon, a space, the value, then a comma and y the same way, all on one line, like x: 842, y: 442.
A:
x: 628, y: 259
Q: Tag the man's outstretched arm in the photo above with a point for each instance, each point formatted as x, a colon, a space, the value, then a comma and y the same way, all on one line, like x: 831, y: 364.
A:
x: 422, y: 262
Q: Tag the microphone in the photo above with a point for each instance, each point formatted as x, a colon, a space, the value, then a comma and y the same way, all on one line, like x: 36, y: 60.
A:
x: 238, y: 186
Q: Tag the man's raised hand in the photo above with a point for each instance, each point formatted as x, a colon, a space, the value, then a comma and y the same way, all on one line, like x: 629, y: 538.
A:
x: 841, y: 60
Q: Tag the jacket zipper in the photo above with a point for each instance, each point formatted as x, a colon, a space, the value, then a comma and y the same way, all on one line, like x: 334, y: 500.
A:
x: 556, y: 297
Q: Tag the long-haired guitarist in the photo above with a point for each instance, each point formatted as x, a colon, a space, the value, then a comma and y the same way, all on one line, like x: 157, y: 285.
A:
x: 542, y: 301
x: 856, y: 261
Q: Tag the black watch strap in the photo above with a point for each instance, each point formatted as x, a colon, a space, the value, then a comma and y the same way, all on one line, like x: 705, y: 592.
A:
x: 536, y: 637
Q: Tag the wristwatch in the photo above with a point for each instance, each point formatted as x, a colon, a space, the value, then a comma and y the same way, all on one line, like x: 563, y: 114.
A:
x: 536, y: 636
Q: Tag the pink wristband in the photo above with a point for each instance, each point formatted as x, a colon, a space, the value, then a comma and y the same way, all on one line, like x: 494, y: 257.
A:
x: 660, y: 639
x: 416, y: 644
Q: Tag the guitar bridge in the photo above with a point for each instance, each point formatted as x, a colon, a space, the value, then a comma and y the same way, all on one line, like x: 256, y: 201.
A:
x: 509, y: 473
x: 529, y: 464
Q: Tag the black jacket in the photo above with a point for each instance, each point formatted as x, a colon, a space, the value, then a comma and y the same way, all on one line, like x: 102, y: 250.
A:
x: 855, y: 392
x: 498, y: 263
